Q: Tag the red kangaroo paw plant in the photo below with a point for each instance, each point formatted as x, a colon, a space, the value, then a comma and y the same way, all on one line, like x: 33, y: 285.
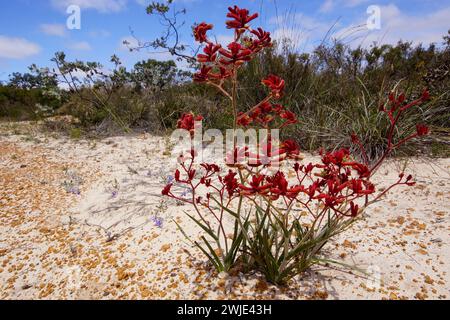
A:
x: 261, y: 208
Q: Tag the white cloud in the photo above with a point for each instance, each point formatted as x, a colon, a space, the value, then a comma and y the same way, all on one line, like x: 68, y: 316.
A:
x: 103, y: 6
x: 80, y: 46
x: 17, y: 48
x: 327, y: 6
x: 58, y: 30
x: 396, y: 25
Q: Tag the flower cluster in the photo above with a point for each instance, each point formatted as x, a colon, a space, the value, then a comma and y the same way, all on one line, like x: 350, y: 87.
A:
x: 220, y: 63
x: 187, y: 122
x: 260, y: 188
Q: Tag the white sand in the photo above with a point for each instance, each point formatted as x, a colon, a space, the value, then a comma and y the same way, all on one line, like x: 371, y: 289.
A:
x: 103, y: 243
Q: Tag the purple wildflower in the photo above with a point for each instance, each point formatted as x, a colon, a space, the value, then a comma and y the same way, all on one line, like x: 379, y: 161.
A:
x: 158, y: 222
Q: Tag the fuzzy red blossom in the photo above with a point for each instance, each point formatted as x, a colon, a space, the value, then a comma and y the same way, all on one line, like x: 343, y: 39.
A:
x: 187, y: 121
x: 354, y: 209
x: 425, y: 95
x: 210, y: 53
x: 166, y: 190
x: 203, y: 75
x: 244, y: 119
x: 240, y: 18
x: 210, y: 167
x: 201, y: 30
x: 223, y: 73
x: 422, y: 130
x: 236, y: 54
x: 280, y: 187
x: 263, y: 39
x: 336, y: 158
x: 291, y: 148
x: 362, y: 169
x: 289, y: 117
x: 275, y: 84
x: 230, y: 182
x: 256, y: 186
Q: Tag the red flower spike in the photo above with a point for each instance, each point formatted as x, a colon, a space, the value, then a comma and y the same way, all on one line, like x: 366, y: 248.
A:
x: 200, y: 32
x: 263, y: 40
x: 166, y: 190
x: 236, y: 54
x: 291, y: 148
x: 422, y: 130
x: 362, y: 169
x: 230, y: 182
x: 210, y: 53
x: 244, y: 120
x: 241, y: 18
x: 223, y: 74
x: 275, y: 84
x: 210, y: 167
x: 177, y: 175
x: 289, y: 116
x: 256, y: 186
x: 266, y: 107
x: 203, y: 74
x: 354, y: 208
x: 425, y: 95
x: 187, y: 121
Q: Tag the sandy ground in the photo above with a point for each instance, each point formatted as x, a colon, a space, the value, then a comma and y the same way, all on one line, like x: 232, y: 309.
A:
x: 85, y: 220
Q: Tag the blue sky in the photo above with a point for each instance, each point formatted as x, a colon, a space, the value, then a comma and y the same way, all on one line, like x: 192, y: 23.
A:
x: 32, y: 31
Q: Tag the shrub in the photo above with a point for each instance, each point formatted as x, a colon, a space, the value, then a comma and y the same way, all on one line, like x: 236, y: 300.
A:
x: 260, y: 196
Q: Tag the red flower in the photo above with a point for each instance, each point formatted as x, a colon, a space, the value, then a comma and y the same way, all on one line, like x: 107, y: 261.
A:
x: 354, y: 208
x: 291, y: 148
x: 210, y: 167
x: 422, y: 130
x: 362, y: 169
x: 289, y: 116
x: 266, y: 107
x: 244, y: 120
x: 187, y: 121
x: 210, y: 53
x: 223, y: 74
x: 336, y: 158
x: 230, y: 182
x: 236, y: 54
x: 256, y: 186
x: 166, y: 190
x: 240, y: 18
x: 200, y: 32
x: 280, y: 187
x: 203, y: 74
x: 263, y: 39
x: 275, y: 84
x: 361, y: 187
x: 425, y: 95
x: 177, y: 175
